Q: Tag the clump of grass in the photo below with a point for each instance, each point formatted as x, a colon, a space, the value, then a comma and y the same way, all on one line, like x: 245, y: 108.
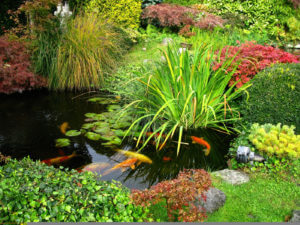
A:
x: 88, y: 52
x: 185, y: 93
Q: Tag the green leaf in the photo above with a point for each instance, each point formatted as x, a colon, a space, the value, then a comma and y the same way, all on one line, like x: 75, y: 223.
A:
x: 73, y: 133
x: 93, y: 136
x: 62, y: 142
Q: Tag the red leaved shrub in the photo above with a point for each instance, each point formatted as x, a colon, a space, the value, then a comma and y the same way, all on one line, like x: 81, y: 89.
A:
x: 15, y: 75
x: 180, y: 195
x: 252, y: 58
x: 296, y: 3
x: 169, y: 15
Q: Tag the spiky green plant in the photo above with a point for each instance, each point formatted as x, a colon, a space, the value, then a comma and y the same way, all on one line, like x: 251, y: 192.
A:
x: 88, y: 52
x: 185, y: 93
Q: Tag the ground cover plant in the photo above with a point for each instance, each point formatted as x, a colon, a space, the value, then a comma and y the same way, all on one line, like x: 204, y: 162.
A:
x: 185, y: 93
x: 179, y: 194
x: 252, y: 58
x: 34, y: 192
x: 273, y: 97
x: 89, y: 51
x: 15, y: 65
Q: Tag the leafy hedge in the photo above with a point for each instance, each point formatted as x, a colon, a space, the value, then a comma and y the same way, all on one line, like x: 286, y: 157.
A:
x: 274, y: 96
x: 34, y: 192
x: 125, y: 13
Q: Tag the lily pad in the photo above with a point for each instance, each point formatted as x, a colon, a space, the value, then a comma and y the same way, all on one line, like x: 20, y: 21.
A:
x: 112, y: 108
x: 106, y: 137
x: 62, y: 142
x: 101, y: 124
x: 96, y: 99
x: 90, y: 115
x: 88, y: 125
x: 93, y: 136
x: 121, y: 125
x: 116, y: 141
x: 119, y: 133
x: 73, y: 133
x: 102, y: 130
x: 100, y: 117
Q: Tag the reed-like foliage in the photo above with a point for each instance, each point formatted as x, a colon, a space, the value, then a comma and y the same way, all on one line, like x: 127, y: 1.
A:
x: 88, y: 52
x: 185, y: 93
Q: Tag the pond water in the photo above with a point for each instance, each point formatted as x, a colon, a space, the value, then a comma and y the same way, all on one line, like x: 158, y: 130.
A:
x: 29, y: 126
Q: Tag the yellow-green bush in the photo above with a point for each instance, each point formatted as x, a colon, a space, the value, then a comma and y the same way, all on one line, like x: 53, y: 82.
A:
x: 126, y: 13
x: 276, y: 140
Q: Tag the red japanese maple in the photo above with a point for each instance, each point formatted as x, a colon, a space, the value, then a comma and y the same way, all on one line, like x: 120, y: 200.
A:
x: 252, y: 58
x: 15, y: 74
x: 180, y: 195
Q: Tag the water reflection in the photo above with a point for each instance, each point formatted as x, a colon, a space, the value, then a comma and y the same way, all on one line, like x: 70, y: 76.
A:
x: 29, y: 125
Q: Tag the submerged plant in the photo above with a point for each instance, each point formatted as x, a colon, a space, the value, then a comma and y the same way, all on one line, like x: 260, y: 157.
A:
x: 185, y: 93
x: 89, y: 50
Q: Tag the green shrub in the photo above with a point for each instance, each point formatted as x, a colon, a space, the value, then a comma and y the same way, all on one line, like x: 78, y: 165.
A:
x: 183, y: 2
x: 34, y: 192
x: 185, y: 93
x: 122, y: 12
x: 269, y: 15
x: 275, y: 140
x: 274, y: 96
x: 89, y: 50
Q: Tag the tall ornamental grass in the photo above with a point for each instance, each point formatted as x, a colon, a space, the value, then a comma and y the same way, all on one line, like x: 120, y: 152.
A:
x: 185, y: 93
x: 88, y: 52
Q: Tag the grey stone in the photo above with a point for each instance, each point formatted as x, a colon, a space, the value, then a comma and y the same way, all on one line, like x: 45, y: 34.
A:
x: 215, y: 199
x: 166, y: 41
x: 296, y: 217
x: 232, y: 176
x: 293, y: 46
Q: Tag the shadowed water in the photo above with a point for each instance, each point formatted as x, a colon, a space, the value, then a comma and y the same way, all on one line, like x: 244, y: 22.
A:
x: 29, y: 125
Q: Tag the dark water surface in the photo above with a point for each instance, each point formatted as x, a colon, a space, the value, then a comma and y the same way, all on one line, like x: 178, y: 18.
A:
x: 29, y: 125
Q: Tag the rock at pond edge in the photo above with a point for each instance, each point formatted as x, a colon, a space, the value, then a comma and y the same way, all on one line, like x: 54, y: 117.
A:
x: 215, y: 199
x: 233, y: 177
x: 295, y: 217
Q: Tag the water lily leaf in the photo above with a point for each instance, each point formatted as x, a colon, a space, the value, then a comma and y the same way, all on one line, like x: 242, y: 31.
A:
x: 107, y: 144
x: 93, y: 136
x: 62, y: 142
x: 73, y: 133
x: 119, y: 133
x: 96, y: 99
x: 116, y: 141
x: 90, y: 115
x: 121, y: 125
x: 112, y: 108
x: 100, y: 117
x: 101, y: 124
x: 102, y: 130
x: 88, y: 125
x: 106, y: 137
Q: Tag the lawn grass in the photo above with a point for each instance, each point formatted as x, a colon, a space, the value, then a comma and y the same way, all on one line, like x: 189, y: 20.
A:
x: 262, y: 199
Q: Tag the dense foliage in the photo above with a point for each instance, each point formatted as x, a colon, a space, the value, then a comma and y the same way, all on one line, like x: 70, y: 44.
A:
x: 269, y: 15
x: 34, y: 192
x: 5, y: 21
x: 89, y: 50
x: 168, y: 15
x: 15, y: 73
x: 125, y: 13
x: 274, y: 96
x: 180, y: 195
x: 185, y: 93
x: 275, y: 140
x: 252, y: 58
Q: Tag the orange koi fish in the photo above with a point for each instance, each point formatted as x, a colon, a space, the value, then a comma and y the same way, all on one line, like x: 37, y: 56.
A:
x: 94, y: 167
x: 59, y: 159
x: 126, y: 163
x: 63, y: 127
x: 166, y: 159
x: 201, y: 141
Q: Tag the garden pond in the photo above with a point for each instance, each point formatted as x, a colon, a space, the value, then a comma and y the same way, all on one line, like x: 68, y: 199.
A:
x: 31, y: 122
